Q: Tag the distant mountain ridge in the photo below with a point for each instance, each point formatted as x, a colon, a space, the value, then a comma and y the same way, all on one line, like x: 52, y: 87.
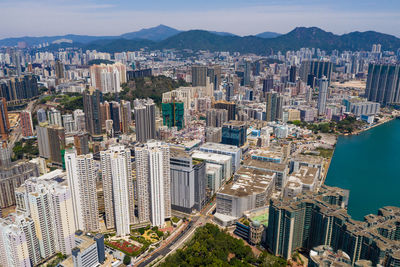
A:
x: 158, y: 33
x: 268, y: 35
x: 164, y: 37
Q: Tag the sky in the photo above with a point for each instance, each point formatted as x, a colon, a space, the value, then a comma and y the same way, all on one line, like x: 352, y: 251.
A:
x: 241, y: 17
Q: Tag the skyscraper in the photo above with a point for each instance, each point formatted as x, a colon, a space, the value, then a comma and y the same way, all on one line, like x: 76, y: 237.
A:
x: 79, y: 118
x: 274, y: 106
x: 62, y: 210
x: 292, y: 74
x: 51, y: 209
x: 268, y: 84
x: 13, y: 246
x: 43, y: 140
x: 199, y: 75
x: 21, y: 222
x: 153, y: 182
x: 214, y: 73
x: 82, y: 183
x: 91, y: 107
x: 383, y: 84
x: 317, y: 68
x: 17, y: 88
x: 4, y: 122
x: 81, y: 143
x: 104, y: 113
x: 68, y: 123
x: 108, y: 78
x: 188, y: 182
x: 54, y: 117
x: 56, y: 137
x: 41, y: 213
x: 118, y: 188
x: 229, y: 92
x: 216, y: 117
x: 322, y: 95
x: 115, y: 116
x: 229, y: 106
x: 59, y: 69
x: 126, y: 116
x: 26, y: 123
x: 145, y: 120
x: 247, y: 73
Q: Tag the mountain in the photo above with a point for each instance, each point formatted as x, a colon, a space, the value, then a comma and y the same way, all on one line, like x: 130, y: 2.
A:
x: 318, y: 38
x: 268, y: 35
x: 157, y: 33
x: 49, y: 39
x: 311, y: 37
x: 205, y: 40
x: 223, y: 33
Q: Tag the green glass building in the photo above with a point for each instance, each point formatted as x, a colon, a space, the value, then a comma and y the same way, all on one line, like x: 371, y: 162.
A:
x: 173, y: 114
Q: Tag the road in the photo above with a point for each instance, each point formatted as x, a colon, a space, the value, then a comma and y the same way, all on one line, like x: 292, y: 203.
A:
x: 166, y: 250
x: 181, y: 238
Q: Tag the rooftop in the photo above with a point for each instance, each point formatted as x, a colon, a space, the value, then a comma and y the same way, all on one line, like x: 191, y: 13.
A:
x: 218, y: 146
x: 210, y: 156
x: 308, y: 159
x: 249, y: 182
x: 307, y: 175
x: 257, y: 164
x: 234, y: 123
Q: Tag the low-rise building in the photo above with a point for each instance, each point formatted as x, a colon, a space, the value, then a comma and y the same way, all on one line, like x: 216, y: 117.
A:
x: 305, y: 179
x: 251, y: 189
x: 88, y: 252
x: 280, y: 169
x: 229, y: 150
x: 224, y: 160
x: 306, y: 160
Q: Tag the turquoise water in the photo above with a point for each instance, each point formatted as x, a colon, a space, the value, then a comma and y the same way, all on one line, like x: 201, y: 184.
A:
x: 369, y: 166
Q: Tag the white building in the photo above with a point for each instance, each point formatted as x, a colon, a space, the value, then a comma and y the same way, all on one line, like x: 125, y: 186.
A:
x: 108, y: 78
x: 13, y: 246
x: 68, y: 123
x: 305, y: 179
x: 54, y: 117
x: 153, y: 182
x: 214, y: 177
x: 40, y: 210
x: 82, y: 183
x: 79, y: 118
x: 322, y: 95
x: 251, y: 189
x: 27, y: 225
x: 224, y: 160
x: 118, y: 188
x: 51, y: 209
x: 229, y: 150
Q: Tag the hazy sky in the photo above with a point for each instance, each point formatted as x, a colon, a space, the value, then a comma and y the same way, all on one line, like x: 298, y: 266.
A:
x: 242, y: 17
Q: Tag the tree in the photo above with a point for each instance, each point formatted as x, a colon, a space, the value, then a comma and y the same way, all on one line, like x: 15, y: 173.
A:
x: 127, y: 260
x: 212, y: 247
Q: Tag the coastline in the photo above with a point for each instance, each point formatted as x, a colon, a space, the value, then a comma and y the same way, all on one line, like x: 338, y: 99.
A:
x: 385, y: 120
x: 328, y: 164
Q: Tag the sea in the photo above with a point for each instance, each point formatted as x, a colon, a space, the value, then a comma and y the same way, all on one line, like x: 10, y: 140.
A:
x: 368, y: 165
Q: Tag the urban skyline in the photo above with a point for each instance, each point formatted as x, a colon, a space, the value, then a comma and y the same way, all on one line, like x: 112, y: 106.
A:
x: 203, y: 148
